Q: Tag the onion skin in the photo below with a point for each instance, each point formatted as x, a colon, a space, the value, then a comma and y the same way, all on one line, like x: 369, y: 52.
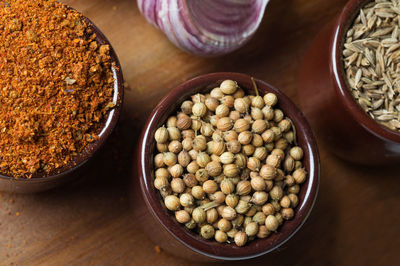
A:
x: 205, y: 27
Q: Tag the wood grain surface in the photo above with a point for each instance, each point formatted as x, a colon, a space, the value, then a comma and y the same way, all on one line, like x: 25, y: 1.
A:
x: 356, y: 219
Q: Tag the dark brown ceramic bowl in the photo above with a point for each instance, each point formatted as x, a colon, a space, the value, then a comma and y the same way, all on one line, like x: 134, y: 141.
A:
x: 175, y: 237
x: 329, y: 105
x: 72, y: 171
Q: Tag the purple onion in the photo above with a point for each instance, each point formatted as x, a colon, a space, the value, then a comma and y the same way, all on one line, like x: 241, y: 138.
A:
x: 205, y: 27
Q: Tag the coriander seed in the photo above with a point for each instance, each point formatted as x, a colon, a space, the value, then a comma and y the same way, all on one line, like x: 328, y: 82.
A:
x: 259, y: 218
x: 288, y: 164
x: 161, y: 135
x: 263, y: 232
x: 217, y: 93
x: 224, y: 225
x: 177, y: 185
x: 268, y: 172
x: 222, y: 111
x: 239, y: 93
x: 211, y: 216
x: 296, y: 153
x: 245, y: 137
x: 231, y: 170
x: 211, y: 103
x: 228, y: 213
x: 202, y: 175
x: 228, y: 100
x: 224, y: 124
x: 221, y: 237
x: 162, y: 173
x: 243, y: 188
x: 285, y: 125
x: 186, y: 200
x: 183, y: 122
x: 251, y: 229
x: 240, y: 239
x: 192, y: 167
x: 162, y: 147
x: 287, y: 213
x: 294, y: 200
x: 299, y: 175
x: 232, y: 200
x: 257, y: 183
x: 234, y: 115
x: 176, y: 170
x: 198, y: 192
x: 259, y: 197
x: 259, y: 126
x: 273, y: 160
x: 160, y: 183
x: 268, y: 113
x: 199, y: 143
x: 184, y: 158
x: 271, y: 223
x: 241, y: 125
x: 240, y: 160
x: 257, y: 102
x: 218, y: 197
x: 199, y: 215
x: 159, y: 160
x: 207, y: 231
x: 230, y: 135
x: 270, y: 99
x: 186, y: 107
x: 199, y: 109
x: 242, y: 207
x: 228, y: 86
x: 260, y: 153
x: 268, y: 209
x: 210, y: 186
x: 227, y: 187
x: 203, y: 159
x: 241, y: 105
x: 256, y: 113
x: 276, y: 193
x: 172, y: 202
x: 248, y: 149
x: 182, y: 216
x: 257, y: 141
x: 206, y: 129
x: 234, y: 146
x: 187, y: 144
x: 226, y: 158
x: 253, y: 164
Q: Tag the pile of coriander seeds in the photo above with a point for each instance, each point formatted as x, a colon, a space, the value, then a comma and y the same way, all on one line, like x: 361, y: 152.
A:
x: 227, y: 165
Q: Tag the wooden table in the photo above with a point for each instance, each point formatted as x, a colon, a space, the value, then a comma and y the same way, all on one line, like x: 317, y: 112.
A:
x: 356, y: 220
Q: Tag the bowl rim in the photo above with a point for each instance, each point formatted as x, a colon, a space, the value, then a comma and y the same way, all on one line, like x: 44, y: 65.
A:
x: 345, y: 19
x: 105, y: 130
x: 307, y: 195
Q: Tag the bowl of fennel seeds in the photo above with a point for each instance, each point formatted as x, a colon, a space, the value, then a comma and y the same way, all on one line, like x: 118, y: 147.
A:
x: 349, y: 83
x: 371, y: 57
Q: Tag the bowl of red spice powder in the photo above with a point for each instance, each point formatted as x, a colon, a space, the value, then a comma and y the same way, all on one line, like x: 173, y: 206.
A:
x: 61, y: 89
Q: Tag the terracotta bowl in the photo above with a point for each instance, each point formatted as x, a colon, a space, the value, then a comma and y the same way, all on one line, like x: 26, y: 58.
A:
x: 73, y: 169
x: 329, y: 105
x: 175, y: 238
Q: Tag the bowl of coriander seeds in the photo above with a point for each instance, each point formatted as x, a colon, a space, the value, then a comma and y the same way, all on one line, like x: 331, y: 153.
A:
x: 61, y: 90
x: 228, y: 168
x: 349, y: 84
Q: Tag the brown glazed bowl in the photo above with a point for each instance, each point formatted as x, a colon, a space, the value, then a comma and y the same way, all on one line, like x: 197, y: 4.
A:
x: 73, y: 169
x: 175, y: 238
x: 329, y: 105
